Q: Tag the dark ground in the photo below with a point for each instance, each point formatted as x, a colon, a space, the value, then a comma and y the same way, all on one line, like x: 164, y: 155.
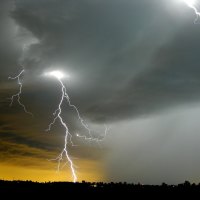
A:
x: 31, y: 189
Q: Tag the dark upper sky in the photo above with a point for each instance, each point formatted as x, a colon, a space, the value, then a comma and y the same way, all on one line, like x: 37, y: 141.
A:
x: 133, y: 64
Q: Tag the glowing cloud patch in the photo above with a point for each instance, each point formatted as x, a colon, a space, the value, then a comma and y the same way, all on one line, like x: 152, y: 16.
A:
x: 57, y: 74
x: 190, y: 2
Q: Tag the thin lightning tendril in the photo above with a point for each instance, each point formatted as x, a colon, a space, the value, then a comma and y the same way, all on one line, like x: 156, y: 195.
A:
x: 191, y: 4
x: 93, y: 138
x: 68, y: 137
x: 18, y: 95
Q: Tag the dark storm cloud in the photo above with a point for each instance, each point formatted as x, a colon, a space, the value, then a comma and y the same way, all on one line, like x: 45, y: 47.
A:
x: 172, y: 77
x: 112, y: 50
x: 125, y: 61
x: 7, y: 135
x: 9, y: 47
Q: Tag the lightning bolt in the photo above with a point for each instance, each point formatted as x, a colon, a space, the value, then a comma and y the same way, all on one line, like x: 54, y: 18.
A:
x: 191, y: 4
x: 68, y: 135
x: 18, y: 95
x: 64, y: 155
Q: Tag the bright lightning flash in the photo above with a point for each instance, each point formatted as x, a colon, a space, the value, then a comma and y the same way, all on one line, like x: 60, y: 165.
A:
x: 68, y: 137
x: 17, y: 95
x: 59, y: 75
x: 192, y: 4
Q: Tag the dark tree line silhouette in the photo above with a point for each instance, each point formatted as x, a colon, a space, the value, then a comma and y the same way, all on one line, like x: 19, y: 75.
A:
x: 49, y: 189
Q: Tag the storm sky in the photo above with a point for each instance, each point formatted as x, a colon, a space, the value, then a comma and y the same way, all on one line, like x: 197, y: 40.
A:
x: 133, y: 65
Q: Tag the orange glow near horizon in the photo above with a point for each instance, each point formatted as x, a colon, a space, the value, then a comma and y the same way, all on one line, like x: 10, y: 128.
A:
x: 12, y: 172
